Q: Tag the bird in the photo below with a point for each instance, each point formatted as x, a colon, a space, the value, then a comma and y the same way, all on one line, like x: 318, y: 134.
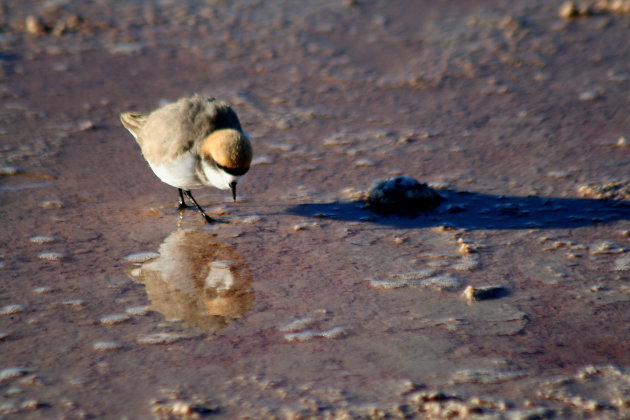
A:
x: 192, y: 143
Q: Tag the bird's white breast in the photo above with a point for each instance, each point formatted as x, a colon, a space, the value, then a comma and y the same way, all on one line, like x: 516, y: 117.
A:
x: 179, y: 172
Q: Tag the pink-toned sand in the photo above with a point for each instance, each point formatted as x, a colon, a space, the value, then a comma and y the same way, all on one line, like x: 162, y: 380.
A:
x: 505, y: 107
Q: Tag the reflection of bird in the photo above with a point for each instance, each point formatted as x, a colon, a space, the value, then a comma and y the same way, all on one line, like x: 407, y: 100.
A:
x: 197, y: 280
x: 193, y: 143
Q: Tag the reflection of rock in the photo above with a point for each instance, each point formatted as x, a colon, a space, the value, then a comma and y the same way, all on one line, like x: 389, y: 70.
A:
x: 401, y: 194
x: 204, y: 283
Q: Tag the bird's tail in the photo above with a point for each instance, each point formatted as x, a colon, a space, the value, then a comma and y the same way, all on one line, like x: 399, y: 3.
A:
x: 133, y: 122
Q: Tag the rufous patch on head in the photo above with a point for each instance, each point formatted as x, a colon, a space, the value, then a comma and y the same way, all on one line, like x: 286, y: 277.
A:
x: 229, y: 148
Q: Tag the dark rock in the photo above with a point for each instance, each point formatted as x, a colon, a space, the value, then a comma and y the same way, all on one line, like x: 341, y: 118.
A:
x: 402, y: 195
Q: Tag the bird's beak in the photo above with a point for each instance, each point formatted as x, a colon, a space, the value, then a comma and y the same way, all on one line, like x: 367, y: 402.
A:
x: 233, y: 186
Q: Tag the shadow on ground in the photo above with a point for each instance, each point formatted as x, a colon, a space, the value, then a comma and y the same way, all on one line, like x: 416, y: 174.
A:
x: 470, y: 210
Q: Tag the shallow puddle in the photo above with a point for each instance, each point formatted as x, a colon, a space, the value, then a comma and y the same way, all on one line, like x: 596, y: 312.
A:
x: 196, y: 280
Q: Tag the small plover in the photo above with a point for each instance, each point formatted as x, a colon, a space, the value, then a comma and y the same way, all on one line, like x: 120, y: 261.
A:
x: 193, y: 143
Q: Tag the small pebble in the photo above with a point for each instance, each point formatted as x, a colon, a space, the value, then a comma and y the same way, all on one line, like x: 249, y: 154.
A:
x: 285, y: 147
x: 8, y: 170
x: 12, y: 309
x: 75, y: 303
x: 13, y: 390
x: 35, y: 25
x: 106, y: 346
x: 162, y: 338
x: 558, y: 174
x: 606, y: 247
x: 53, y: 204
x: 541, y: 76
x: 137, y: 311
x: 622, y: 264
x: 41, y: 239
x: 483, y: 292
x: 588, y: 96
x: 465, y: 249
x: 33, y: 320
x: 9, y: 407
x: 114, y: 319
x: 127, y: 48
x: 14, y: 372
x: 51, y: 256
x: 416, y: 275
x: 297, y: 324
x: 182, y: 408
x: 140, y: 257
x: 443, y: 282
x: 332, y: 333
x: 614, y: 190
x: 60, y: 66
x: 42, y: 289
x: 389, y: 284
x: 250, y: 220
x: 32, y: 404
x: 569, y: 10
x: 466, y: 264
x: 364, y: 162
x: 262, y: 160
x: 86, y: 125
x: 300, y: 336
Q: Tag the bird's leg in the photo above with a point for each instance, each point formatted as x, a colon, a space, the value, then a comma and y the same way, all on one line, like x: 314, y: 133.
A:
x: 182, y: 203
x: 203, y: 213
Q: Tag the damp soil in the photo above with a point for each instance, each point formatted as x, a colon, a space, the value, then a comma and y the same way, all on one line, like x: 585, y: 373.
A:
x: 304, y: 303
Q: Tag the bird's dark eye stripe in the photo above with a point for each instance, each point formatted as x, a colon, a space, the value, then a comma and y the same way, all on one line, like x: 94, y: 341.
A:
x: 233, y: 171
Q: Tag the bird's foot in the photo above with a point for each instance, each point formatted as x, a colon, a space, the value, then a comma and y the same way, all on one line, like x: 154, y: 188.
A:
x: 192, y: 199
x: 208, y: 218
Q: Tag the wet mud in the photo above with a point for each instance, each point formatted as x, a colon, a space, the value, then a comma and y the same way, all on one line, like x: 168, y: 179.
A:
x: 509, y: 299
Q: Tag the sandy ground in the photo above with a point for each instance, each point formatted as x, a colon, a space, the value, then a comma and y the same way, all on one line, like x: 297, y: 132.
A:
x: 305, y: 304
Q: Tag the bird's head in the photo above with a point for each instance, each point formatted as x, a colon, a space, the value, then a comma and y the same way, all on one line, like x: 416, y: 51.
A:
x: 230, y: 151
